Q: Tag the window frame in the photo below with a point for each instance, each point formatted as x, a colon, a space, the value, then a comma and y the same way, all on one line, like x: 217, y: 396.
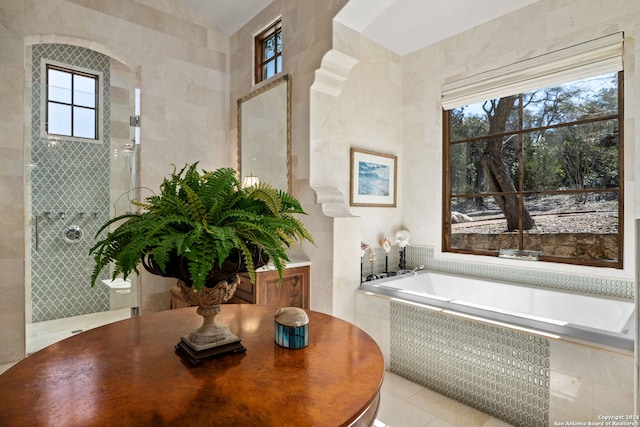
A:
x: 72, y: 103
x: 259, y: 48
x: 521, y: 193
x: 73, y: 71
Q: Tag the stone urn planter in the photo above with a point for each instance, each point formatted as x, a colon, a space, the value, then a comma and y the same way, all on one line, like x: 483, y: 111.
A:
x: 211, y: 339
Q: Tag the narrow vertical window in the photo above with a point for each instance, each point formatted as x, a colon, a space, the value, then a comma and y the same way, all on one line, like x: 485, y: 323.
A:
x: 72, y: 103
x: 268, y: 48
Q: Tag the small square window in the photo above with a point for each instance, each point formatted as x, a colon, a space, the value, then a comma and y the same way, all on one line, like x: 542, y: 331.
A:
x: 72, y: 103
x: 268, y: 51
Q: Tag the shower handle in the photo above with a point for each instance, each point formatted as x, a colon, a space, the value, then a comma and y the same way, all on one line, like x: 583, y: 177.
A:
x: 37, y: 224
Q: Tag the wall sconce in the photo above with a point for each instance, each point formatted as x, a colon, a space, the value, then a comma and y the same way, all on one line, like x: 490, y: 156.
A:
x: 250, y: 181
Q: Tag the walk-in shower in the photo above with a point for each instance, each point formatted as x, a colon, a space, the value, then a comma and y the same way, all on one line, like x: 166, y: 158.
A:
x: 77, y: 183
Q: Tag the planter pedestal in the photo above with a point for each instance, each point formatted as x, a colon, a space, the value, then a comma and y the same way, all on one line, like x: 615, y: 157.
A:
x: 211, y: 339
x: 195, y: 355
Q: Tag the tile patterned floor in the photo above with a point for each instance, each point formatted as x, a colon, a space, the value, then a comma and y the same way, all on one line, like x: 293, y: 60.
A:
x: 403, y: 403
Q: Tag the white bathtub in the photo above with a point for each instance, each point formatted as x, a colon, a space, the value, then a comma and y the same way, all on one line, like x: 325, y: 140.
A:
x: 546, y: 312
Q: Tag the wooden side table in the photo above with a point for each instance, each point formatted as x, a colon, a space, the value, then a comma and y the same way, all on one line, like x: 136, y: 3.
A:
x: 126, y: 373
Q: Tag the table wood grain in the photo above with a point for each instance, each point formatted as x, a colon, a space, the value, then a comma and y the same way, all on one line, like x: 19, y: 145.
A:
x: 128, y: 374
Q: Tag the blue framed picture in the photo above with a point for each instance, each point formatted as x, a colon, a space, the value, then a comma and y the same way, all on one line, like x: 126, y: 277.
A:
x: 373, y: 178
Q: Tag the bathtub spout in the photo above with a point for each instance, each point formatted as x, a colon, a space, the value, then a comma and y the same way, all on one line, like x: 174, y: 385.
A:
x: 403, y: 272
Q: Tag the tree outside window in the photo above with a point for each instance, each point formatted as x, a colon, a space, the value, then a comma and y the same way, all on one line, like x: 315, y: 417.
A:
x: 538, y: 171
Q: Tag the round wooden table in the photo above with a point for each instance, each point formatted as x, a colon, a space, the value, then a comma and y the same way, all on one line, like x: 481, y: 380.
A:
x: 128, y: 374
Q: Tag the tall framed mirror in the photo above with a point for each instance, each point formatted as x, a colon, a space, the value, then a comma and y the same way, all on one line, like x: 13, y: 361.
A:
x: 264, y: 134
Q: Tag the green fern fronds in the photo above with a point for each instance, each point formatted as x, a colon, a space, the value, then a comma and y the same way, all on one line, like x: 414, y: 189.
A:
x: 202, y: 219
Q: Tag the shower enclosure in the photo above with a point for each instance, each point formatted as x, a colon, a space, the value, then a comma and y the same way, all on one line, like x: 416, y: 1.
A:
x: 77, y: 183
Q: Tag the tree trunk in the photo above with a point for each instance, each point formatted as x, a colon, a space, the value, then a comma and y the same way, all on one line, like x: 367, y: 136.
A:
x: 495, y: 171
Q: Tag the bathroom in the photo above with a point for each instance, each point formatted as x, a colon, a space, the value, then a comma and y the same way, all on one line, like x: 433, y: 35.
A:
x: 188, y: 103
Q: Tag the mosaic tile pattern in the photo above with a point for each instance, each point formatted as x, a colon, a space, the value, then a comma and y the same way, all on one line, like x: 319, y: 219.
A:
x: 501, y: 372
x: 71, y: 177
x: 617, y: 288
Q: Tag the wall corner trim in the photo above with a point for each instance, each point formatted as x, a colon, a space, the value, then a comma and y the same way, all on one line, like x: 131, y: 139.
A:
x: 332, y: 201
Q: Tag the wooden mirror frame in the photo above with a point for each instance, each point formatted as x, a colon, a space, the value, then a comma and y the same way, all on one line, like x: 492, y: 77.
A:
x: 286, y: 80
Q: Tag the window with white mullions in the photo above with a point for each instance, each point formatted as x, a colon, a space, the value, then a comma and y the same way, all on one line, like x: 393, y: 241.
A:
x: 72, y: 103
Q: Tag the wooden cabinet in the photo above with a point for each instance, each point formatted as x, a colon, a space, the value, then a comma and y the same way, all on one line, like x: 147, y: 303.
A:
x: 292, y: 292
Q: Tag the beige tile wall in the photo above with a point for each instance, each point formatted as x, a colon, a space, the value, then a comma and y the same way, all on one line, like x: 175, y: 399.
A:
x: 181, y: 65
x: 356, y: 102
x: 588, y: 382
x: 307, y: 36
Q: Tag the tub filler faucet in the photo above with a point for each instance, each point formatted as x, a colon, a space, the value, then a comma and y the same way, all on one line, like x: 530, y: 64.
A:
x: 413, y: 271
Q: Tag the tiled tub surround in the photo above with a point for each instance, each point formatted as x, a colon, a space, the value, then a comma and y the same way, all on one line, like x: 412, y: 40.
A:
x: 496, y: 370
x: 521, y: 377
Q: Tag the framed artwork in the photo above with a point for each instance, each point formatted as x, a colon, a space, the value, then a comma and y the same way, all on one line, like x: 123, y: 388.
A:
x: 373, y: 178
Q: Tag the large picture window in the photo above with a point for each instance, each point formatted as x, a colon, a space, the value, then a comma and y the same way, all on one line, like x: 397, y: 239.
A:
x: 72, y: 103
x: 539, y: 171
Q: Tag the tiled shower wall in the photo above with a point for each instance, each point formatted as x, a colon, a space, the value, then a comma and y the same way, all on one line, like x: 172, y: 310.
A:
x: 71, y: 177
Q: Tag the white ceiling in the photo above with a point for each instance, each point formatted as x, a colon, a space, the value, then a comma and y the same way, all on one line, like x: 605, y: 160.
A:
x: 227, y: 15
x: 402, y: 26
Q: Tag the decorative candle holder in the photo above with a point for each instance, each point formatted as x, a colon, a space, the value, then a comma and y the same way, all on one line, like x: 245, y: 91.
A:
x: 402, y: 239
x: 402, y: 265
x: 386, y: 245
x: 372, y: 260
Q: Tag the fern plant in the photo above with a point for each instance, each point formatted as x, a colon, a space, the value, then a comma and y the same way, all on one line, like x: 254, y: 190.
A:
x: 203, y: 228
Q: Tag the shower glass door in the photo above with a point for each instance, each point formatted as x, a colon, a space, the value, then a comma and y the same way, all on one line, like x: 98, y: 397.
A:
x: 77, y: 184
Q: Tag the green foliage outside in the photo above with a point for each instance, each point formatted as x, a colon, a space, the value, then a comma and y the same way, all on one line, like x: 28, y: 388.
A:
x: 562, y: 148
